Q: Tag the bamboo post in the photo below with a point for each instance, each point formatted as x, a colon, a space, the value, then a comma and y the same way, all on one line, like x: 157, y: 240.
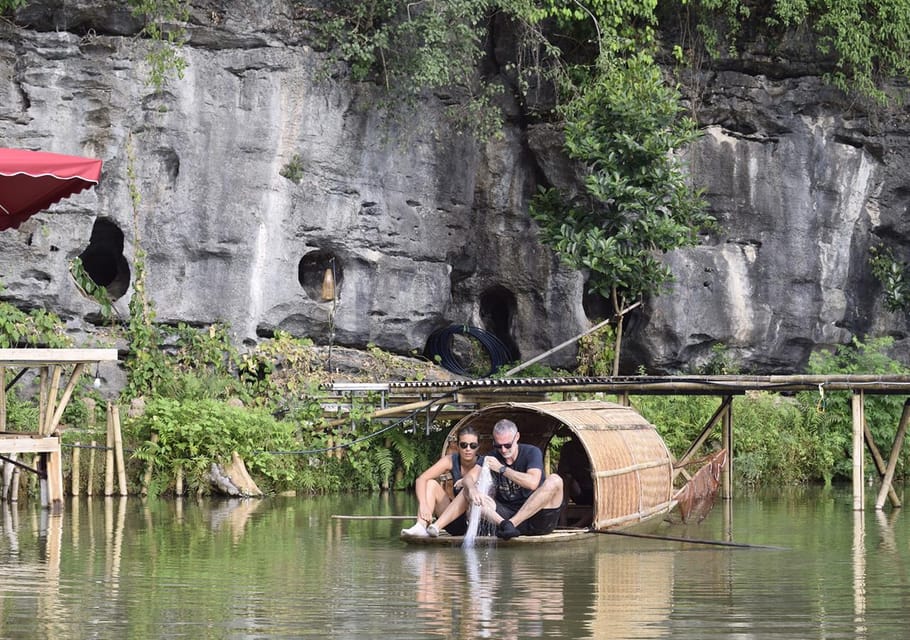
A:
x: 2, y: 398
x: 42, y: 397
x: 178, y: 482
x: 727, y: 439
x: 65, y: 398
x: 147, y: 476
x: 896, y: 447
x: 118, y: 451
x: 878, y: 460
x: 856, y: 402
x: 50, y: 408
x: 14, y: 486
x: 8, y: 471
x: 74, y: 481
x: 109, y: 453
x: 703, y: 436
x: 54, y: 468
x: 90, y: 480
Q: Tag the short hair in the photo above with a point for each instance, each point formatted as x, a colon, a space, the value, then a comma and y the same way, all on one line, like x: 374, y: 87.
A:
x: 505, y: 426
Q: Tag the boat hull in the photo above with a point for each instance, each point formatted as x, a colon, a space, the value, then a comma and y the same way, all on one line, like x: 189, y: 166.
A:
x: 445, y: 540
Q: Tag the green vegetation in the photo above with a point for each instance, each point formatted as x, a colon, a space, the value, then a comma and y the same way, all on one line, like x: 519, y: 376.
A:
x: 892, y: 274
x: 10, y: 5
x: 787, y: 440
x: 868, y: 41
x: 623, y: 126
x: 165, y: 30
x: 623, y: 129
x: 33, y: 328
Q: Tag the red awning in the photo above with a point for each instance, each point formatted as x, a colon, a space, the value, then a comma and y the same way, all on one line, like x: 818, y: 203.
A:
x: 31, y: 181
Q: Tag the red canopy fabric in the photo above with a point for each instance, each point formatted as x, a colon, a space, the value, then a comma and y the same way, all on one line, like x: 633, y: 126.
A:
x: 31, y: 181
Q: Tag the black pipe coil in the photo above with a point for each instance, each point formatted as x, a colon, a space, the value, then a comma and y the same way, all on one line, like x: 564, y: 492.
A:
x: 439, y: 344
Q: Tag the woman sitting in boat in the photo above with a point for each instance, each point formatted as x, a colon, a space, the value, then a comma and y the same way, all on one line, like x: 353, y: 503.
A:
x: 524, y: 501
x: 432, y: 497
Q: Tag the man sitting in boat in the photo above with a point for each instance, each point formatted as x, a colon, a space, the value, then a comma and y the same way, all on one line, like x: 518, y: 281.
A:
x: 432, y: 498
x: 524, y: 502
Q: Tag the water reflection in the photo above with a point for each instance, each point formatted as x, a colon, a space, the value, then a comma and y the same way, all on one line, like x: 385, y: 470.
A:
x: 115, y: 567
x: 485, y: 593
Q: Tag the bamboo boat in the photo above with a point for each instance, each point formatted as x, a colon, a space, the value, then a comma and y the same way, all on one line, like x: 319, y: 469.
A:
x: 629, y: 464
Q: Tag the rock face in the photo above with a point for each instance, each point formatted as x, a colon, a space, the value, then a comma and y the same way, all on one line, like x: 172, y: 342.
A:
x: 270, y: 183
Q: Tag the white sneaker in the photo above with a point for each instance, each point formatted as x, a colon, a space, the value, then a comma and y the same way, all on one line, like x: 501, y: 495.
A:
x: 417, y: 531
x: 433, y: 531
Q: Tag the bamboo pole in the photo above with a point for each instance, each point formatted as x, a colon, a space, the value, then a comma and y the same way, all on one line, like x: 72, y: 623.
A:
x: 703, y: 436
x: 109, y: 453
x: 8, y: 470
x: 178, y: 482
x: 14, y: 485
x: 42, y: 397
x: 727, y: 440
x: 391, y: 411
x: 878, y: 460
x: 74, y: 480
x: 50, y: 407
x: 147, y: 476
x: 896, y: 447
x: 90, y: 481
x: 563, y: 345
x: 856, y: 402
x: 67, y: 392
x: 118, y: 451
x: 2, y: 398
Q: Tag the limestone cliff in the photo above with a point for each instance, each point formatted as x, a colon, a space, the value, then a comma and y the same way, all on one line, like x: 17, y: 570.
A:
x: 262, y: 169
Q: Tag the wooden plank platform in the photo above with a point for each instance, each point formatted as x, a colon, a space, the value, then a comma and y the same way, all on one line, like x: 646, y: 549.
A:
x: 445, y: 540
x: 59, y: 371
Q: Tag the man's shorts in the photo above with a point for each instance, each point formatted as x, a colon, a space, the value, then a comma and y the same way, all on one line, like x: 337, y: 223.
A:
x: 541, y: 523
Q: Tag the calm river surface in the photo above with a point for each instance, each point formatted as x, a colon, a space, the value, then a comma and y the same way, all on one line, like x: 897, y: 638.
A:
x: 285, y: 568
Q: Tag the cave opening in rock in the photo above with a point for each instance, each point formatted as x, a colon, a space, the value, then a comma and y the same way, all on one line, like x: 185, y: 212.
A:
x: 103, y: 259
x: 596, y: 306
x: 497, y: 308
x: 320, y: 273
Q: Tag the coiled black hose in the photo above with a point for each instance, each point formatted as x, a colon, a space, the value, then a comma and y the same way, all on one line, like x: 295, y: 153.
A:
x: 439, y: 344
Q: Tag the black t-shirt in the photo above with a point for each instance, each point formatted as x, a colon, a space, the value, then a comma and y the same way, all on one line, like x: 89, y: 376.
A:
x: 507, y: 492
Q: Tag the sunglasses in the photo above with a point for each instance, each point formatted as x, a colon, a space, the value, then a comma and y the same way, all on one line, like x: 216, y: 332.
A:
x: 505, y: 446
x: 468, y: 445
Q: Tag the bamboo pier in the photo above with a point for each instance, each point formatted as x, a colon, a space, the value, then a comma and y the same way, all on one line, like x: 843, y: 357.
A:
x: 454, y: 399
x: 54, y: 366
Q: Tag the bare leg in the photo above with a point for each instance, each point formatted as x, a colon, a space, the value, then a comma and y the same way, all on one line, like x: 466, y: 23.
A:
x: 455, y: 508
x: 546, y: 496
x: 437, y: 497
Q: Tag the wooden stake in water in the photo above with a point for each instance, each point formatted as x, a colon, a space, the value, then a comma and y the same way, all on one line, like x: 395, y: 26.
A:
x: 484, y: 484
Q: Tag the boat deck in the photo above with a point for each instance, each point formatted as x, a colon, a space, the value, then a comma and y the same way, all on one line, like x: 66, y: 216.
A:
x: 559, y: 535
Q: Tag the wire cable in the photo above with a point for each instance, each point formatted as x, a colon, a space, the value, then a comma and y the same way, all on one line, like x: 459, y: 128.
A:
x: 439, y: 345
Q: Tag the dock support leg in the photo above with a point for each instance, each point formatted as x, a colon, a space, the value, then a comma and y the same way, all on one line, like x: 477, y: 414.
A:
x: 727, y: 440
x: 858, y: 450
x: 887, y: 490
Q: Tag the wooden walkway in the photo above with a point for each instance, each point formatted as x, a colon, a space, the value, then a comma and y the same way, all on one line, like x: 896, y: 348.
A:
x: 54, y: 366
x: 451, y: 400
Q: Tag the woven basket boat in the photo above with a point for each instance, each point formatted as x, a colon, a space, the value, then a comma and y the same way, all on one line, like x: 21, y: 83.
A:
x: 631, y: 467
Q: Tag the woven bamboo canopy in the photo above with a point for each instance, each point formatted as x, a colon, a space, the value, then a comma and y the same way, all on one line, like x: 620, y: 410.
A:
x: 631, y: 467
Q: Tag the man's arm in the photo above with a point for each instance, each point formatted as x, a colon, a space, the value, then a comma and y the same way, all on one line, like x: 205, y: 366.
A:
x: 529, y: 479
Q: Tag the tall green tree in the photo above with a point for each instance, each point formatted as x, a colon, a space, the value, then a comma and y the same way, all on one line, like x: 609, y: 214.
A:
x: 625, y: 128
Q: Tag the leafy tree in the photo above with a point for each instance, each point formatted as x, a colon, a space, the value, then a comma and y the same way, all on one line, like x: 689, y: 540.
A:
x: 623, y: 128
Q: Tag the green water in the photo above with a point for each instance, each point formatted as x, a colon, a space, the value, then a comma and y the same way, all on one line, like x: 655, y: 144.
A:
x: 285, y: 568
